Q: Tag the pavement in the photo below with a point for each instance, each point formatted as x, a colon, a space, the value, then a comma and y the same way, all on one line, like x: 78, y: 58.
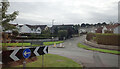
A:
x: 85, y: 57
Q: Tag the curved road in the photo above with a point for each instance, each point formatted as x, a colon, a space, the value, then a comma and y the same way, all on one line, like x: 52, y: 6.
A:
x: 85, y: 57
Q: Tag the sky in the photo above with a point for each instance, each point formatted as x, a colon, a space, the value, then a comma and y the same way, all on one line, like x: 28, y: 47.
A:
x: 64, y: 11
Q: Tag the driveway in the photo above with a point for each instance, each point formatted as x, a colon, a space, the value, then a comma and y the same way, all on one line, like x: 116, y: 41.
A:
x: 85, y: 57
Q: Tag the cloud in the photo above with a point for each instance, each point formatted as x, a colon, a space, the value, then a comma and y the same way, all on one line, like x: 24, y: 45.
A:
x: 65, y: 11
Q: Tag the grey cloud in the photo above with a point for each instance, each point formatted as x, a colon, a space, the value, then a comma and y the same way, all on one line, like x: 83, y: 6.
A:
x: 63, y: 12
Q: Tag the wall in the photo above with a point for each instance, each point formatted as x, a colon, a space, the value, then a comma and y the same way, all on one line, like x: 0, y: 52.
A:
x: 117, y: 30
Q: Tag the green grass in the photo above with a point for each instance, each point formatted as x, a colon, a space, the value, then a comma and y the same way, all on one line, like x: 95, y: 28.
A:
x: 51, y: 43
x: 97, y: 49
x: 16, y: 44
x: 51, y: 60
x: 28, y: 44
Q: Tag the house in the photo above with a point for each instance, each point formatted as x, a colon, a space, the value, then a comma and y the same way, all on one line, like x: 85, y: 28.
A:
x: 29, y: 28
x: 99, y: 30
x: 87, y: 29
x: 111, y: 28
x: 32, y: 28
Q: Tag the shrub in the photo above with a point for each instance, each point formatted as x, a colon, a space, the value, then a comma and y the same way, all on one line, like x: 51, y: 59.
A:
x: 106, y: 31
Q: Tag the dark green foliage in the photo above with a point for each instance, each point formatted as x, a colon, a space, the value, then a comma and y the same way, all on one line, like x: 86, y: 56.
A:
x: 15, y: 33
x: 6, y: 18
x: 90, y: 36
x: 62, y: 34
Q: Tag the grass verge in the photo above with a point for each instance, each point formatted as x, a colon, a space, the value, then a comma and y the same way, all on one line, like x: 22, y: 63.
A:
x: 16, y: 44
x: 29, y: 44
x: 51, y: 43
x: 51, y: 60
x: 97, y: 49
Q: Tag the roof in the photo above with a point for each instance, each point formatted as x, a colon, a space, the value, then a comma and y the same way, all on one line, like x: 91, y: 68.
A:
x: 36, y: 26
x: 112, y: 26
x: 64, y: 25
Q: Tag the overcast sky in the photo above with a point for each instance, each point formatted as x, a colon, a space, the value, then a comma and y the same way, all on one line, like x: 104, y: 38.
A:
x: 65, y: 11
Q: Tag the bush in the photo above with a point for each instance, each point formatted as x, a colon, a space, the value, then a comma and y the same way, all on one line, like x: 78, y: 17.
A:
x: 90, y: 36
x: 108, y: 39
x: 108, y: 31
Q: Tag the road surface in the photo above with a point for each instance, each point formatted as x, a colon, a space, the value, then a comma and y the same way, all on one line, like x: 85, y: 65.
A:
x: 85, y: 57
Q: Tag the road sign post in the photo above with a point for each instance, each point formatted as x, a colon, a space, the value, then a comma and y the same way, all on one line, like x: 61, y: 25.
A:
x: 42, y: 60
x: 26, y: 54
x: 24, y: 64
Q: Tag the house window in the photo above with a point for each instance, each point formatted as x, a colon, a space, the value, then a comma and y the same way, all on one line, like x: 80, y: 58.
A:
x: 39, y: 30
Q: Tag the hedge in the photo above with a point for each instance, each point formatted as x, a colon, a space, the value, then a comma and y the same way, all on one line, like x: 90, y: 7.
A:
x: 90, y: 36
x: 108, y: 39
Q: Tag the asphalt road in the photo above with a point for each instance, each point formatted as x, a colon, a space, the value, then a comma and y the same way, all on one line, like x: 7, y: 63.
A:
x: 85, y: 57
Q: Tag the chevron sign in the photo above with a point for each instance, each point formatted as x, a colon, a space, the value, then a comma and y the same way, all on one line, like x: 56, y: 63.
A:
x: 17, y: 54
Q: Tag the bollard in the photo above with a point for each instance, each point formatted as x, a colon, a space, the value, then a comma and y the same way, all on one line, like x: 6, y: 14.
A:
x: 60, y: 44
x: 54, y: 44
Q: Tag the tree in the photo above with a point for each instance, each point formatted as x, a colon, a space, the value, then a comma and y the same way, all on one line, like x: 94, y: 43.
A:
x: 7, y: 18
x: 83, y: 25
x: 87, y: 25
x: 99, y: 24
x: 56, y: 30
x: 76, y: 27
x: 104, y: 23
x: 62, y: 34
x: 46, y: 33
x: 15, y: 33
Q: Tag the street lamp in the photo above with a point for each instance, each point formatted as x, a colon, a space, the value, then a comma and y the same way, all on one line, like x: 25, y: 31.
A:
x: 52, y: 28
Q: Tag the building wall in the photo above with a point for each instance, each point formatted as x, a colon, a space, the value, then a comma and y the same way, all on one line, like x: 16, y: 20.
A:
x: 38, y: 30
x: 117, y: 30
x: 103, y: 30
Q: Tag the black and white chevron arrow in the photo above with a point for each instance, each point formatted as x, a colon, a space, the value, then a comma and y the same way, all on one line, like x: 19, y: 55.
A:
x: 15, y: 55
x: 40, y: 50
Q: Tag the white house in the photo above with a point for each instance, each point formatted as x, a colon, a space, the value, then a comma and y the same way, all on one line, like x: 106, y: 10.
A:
x: 32, y: 28
x: 87, y: 29
x: 103, y: 30
x: 117, y: 30
x: 29, y: 28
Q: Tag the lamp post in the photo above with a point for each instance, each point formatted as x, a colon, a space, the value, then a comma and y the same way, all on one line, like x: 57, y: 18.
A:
x: 119, y: 12
x: 52, y: 28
